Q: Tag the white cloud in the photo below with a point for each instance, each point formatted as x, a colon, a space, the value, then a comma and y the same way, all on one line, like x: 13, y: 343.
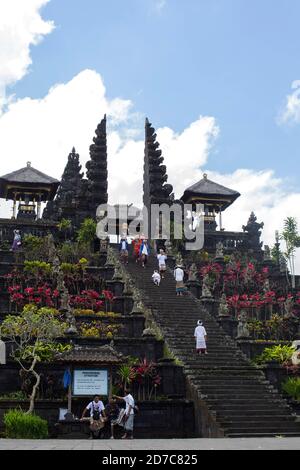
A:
x: 21, y: 26
x: 291, y: 110
x: 160, y: 5
x: 44, y: 131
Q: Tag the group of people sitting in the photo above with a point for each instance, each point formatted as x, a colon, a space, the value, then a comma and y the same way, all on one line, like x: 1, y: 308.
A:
x: 104, y: 419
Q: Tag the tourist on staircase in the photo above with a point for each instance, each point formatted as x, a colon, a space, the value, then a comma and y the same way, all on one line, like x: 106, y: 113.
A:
x: 162, y: 258
x: 124, y: 249
x: 136, y: 243
x: 201, y: 338
x: 179, y: 276
x: 156, y: 277
x: 144, y: 252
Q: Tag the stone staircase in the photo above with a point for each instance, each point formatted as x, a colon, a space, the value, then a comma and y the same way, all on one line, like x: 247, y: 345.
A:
x: 235, y: 395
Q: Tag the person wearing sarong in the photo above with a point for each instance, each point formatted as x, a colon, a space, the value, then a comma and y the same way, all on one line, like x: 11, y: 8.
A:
x: 162, y: 258
x: 179, y: 276
x: 201, y: 337
x: 129, y: 413
x: 17, y: 241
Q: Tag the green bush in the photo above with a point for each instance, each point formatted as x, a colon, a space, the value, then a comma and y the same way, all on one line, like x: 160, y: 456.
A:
x: 19, y: 425
x: 279, y: 353
x: 292, y: 387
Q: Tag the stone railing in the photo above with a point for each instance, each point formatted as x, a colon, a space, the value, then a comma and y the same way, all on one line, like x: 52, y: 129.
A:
x: 232, y: 241
x: 38, y: 228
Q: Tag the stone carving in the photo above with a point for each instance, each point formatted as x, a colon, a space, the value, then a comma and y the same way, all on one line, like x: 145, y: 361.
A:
x: 296, y: 354
x: 254, y: 232
x: 110, y: 260
x: 148, y: 332
x: 266, y: 287
x: 223, y: 307
x: 267, y: 253
x: 219, y: 250
x: 193, y: 273
x: 118, y: 275
x: 242, y: 328
x: 179, y: 260
x: 289, y: 308
x: 282, y: 264
x: 206, y: 292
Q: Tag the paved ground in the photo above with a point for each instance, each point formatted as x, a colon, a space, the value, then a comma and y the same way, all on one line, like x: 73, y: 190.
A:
x: 291, y: 443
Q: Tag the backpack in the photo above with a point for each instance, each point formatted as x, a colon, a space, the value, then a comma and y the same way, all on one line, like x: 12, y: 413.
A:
x: 96, y: 414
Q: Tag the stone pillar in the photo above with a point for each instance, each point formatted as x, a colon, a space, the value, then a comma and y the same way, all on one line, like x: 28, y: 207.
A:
x: 39, y: 208
x: 14, y: 207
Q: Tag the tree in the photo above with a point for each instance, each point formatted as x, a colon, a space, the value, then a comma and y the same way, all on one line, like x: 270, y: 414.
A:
x: 291, y: 238
x: 33, y: 334
x: 87, y: 232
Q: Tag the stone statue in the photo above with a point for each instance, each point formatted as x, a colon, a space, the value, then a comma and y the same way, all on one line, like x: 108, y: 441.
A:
x: 65, y: 299
x: 242, y: 329
x: 193, y: 273
x: 110, y: 260
x: 219, y: 250
x: 2, y: 352
x: 52, y: 255
x: 267, y: 253
x: 168, y: 247
x: 266, y: 287
x: 179, y: 260
x: 223, y: 307
x: 118, y: 272
x: 289, y: 307
x: 296, y: 354
x: 282, y: 264
x: 254, y: 232
x: 206, y: 292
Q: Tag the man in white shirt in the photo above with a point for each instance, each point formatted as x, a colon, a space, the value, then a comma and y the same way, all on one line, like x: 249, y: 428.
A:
x: 201, y: 337
x: 96, y: 409
x: 162, y: 258
x: 179, y: 276
x: 129, y: 413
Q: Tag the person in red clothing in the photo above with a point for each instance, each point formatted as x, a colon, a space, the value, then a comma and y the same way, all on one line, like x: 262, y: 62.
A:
x: 136, y: 248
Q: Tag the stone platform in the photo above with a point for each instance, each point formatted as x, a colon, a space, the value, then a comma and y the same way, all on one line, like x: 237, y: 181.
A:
x: 291, y: 443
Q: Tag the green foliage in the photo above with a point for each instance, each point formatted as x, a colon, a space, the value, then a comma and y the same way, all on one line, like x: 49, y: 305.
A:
x: 279, y: 353
x: 37, y: 268
x: 33, y: 332
x: 64, y: 225
x: 126, y: 374
x: 87, y: 232
x: 19, y: 425
x: 35, y: 248
x: 292, y: 387
x: 74, y: 253
x: 19, y: 395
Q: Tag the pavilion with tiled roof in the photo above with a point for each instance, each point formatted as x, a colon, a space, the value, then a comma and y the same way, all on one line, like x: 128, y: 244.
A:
x: 29, y: 187
x: 213, y: 196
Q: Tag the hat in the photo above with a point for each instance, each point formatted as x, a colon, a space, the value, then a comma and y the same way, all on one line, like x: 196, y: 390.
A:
x: 199, y: 322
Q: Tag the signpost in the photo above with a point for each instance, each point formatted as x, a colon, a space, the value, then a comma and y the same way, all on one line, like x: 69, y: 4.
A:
x: 89, y: 382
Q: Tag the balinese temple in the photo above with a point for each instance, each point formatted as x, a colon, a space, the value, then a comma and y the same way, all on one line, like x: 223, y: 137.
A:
x: 214, y: 197
x: 28, y: 188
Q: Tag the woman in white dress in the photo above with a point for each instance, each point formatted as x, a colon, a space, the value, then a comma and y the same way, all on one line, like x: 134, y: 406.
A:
x: 201, y: 337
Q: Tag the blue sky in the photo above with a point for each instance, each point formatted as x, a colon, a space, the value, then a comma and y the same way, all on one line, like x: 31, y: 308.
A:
x: 219, y: 79
x: 231, y: 59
